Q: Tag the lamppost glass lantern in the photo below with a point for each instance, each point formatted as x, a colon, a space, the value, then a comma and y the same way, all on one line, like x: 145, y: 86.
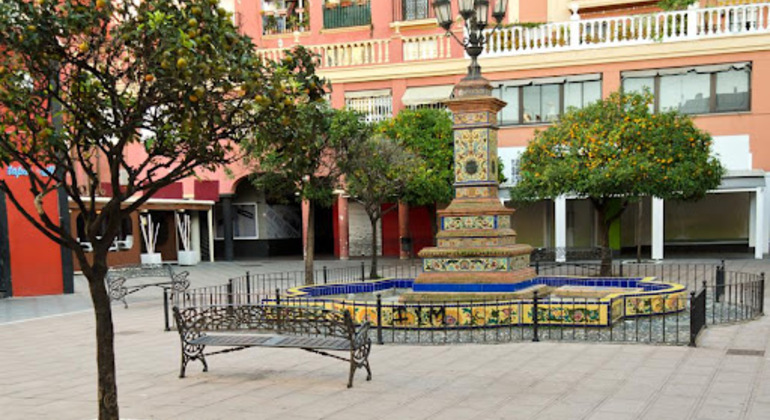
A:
x: 443, y: 9
x: 466, y: 8
x: 482, y: 13
x: 475, y: 14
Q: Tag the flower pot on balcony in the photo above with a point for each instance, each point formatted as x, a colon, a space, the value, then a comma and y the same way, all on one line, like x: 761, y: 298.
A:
x: 188, y: 257
x: 151, y: 259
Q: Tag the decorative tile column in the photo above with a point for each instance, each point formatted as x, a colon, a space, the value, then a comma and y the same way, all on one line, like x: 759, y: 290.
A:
x: 476, y: 245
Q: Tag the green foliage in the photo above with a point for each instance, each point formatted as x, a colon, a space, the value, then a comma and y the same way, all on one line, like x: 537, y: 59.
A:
x: 674, y: 4
x: 618, y: 148
x: 428, y: 134
x: 173, y: 81
x: 378, y: 171
x: 298, y: 143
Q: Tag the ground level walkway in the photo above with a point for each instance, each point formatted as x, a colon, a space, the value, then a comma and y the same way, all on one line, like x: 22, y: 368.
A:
x: 49, y: 372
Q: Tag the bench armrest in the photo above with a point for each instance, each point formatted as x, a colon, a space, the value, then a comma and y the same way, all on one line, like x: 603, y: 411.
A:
x: 362, y: 334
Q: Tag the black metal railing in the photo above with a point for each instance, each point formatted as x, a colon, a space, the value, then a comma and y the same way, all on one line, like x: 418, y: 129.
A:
x: 697, y: 315
x: 347, y: 13
x: 717, y: 296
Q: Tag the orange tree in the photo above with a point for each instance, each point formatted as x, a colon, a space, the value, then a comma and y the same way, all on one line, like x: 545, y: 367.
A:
x: 616, y: 150
x: 428, y: 134
x: 377, y: 171
x: 299, y: 143
x: 85, y: 83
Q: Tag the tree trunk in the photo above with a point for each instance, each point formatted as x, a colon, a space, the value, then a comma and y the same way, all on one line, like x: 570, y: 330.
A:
x: 639, y: 208
x: 433, y: 222
x: 310, y: 244
x: 604, y: 236
x: 373, y: 270
x: 105, y: 340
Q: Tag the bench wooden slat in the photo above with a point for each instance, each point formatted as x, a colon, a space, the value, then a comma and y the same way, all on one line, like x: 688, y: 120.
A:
x: 323, y: 343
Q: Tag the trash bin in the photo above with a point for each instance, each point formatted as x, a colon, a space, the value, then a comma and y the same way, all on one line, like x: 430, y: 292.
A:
x: 406, y: 245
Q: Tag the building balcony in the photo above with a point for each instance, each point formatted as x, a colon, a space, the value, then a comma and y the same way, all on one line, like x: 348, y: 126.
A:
x: 693, y: 24
x: 683, y: 25
x: 346, y: 13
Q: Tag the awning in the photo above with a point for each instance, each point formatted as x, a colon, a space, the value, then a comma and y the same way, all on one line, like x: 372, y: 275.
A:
x: 549, y: 80
x: 367, y: 93
x: 426, y: 95
x: 713, y: 68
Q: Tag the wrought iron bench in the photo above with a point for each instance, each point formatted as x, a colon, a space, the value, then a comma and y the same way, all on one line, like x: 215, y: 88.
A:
x: 239, y: 327
x: 118, y: 276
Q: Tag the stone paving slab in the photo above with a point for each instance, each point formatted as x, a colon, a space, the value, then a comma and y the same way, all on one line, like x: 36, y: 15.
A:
x: 49, y: 373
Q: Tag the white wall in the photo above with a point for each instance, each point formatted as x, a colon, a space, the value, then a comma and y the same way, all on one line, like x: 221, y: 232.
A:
x: 733, y: 152
x: 507, y: 155
x: 360, y: 231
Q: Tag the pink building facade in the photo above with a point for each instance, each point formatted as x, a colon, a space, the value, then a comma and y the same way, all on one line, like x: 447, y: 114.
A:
x: 708, y: 61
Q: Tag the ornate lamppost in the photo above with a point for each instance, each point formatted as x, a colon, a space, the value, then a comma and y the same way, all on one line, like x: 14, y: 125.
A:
x: 476, y: 256
x: 475, y: 14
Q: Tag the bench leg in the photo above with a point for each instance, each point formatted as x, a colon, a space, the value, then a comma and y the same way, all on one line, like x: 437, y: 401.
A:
x: 188, y: 358
x: 353, y: 367
x: 359, y: 358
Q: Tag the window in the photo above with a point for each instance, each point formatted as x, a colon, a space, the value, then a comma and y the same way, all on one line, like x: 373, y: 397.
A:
x: 244, y: 221
x: 544, y: 100
x: 415, y: 9
x: 695, y: 90
x: 374, y: 105
x: 284, y: 16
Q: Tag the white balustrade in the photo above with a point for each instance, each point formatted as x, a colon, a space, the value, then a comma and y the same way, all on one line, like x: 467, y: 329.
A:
x: 693, y: 23
x: 427, y: 47
x: 690, y: 24
x: 354, y: 53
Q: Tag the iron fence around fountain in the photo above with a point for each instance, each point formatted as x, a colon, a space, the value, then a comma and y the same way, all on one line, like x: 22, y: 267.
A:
x: 716, y: 296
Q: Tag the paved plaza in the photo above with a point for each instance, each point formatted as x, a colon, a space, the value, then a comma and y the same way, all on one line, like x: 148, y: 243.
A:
x: 48, y: 353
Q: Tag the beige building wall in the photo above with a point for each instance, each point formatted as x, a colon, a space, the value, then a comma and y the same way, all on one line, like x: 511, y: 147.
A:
x: 558, y: 10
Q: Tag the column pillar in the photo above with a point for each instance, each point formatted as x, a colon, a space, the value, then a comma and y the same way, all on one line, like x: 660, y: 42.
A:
x: 227, y: 215
x: 760, y: 243
x: 305, y: 214
x: 658, y: 232
x: 560, y: 227
x: 210, y: 217
x: 405, y: 240
x: 343, y: 227
x: 753, y: 219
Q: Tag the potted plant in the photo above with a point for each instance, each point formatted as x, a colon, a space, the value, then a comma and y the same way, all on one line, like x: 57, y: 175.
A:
x: 271, y: 24
x: 186, y: 255
x: 150, y: 237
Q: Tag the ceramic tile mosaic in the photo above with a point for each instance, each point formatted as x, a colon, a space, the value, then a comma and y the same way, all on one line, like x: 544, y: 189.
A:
x: 481, y: 264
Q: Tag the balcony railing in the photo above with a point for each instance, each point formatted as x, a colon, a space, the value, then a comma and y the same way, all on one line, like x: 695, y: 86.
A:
x: 354, y: 53
x: 347, y: 13
x: 427, y: 47
x: 695, y: 23
x: 686, y: 25
x: 406, y: 10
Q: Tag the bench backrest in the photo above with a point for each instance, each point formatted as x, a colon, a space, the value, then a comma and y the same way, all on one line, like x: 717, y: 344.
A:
x: 280, y: 319
x: 137, y: 271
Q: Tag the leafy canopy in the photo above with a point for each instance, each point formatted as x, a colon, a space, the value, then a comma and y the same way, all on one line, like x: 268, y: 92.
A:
x: 378, y: 171
x: 298, y: 143
x: 618, y: 148
x: 428, y: 134
x: 149, y: 90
